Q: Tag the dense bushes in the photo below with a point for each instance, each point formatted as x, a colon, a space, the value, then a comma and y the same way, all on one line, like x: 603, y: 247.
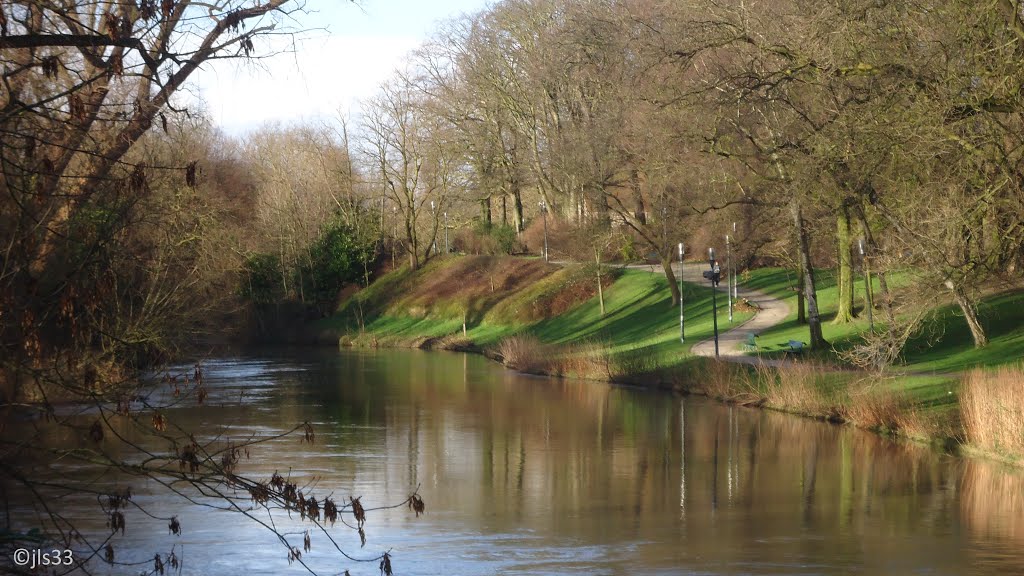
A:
x: 339, y: 256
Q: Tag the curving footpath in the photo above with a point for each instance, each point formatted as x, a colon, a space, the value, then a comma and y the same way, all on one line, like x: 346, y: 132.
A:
x: 770, y: 312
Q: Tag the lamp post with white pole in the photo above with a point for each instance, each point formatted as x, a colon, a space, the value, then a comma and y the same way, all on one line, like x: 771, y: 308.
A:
x: 447, y: 249
x: 735, y: 277
x: 433, y: 215
x: 728, y: 274
x: 682, y: 333
x: 867, y: 284
x: 544, y: 215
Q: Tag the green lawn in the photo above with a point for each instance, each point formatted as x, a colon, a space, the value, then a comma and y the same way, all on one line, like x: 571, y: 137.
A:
x: 638, y: 317
x: 944, y: 345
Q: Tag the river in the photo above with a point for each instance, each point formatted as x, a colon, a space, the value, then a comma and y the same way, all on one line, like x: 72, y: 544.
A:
x: 530, y: 475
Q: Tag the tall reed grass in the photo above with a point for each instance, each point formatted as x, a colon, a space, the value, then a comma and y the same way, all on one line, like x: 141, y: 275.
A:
x: 992, y: 410
x: 524, y: 353
x: 797, y: 387
x: 588, y: 360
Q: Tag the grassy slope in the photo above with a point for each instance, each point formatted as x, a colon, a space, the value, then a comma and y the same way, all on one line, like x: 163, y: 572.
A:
x: 944, y: 348
x: 401, y: 308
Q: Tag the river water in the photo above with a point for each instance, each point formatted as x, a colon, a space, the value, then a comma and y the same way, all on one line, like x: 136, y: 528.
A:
x: 529, y: 475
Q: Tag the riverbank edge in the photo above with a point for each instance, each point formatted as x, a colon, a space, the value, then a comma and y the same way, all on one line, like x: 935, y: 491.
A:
x: 426, y: 309
x: 679, y: 380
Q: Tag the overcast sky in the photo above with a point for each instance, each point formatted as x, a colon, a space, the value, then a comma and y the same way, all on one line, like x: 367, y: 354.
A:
x: 331, y: 69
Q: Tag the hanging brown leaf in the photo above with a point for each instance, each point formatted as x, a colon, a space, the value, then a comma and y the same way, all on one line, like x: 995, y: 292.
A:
x: 201, y: 394
x: 166, y: 7
x: 172, y: 561
x: 416, y: 503
x: 330, y: 511
x: 229, y: 459
x: 308, y: 435
x: 159, y: 422
x: 291, y: 496
x: 113, y: 25
x: 357, y: 510
x: 312, y: 509
x: 147, y: 9
x: 362, y: 537
x: 50, y: 66
x: 163, y: 122
x: 108, y: 554
x: 385, y: 565
x: 116, y: 522
x: 174, y: 526
x: 189, y: 457
x: 294, y: 555
x: 259, y: 493
x: 117, y: 500
x: 115, y: 65
x: 124, y: 405
x: 158, y: 565
x: 96, y: 432
x: 190, y: 173
x: 306, y: 544
x: 137, y: 182
x: 126, y: 26
x: 76, y: 108
x: 276, y: 481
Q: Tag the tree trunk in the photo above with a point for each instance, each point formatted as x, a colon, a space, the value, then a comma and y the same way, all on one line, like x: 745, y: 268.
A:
x: 599, y: 206
x: 485, y: 209
x: 600, y: 289
x: 970, y: 314
x: 673, y: 285
x: 810, y: 294
x: 639, y: 209
x: 801, y: 306
x: 883, y: 283
x: 517, y: 208
x: 844, y: 281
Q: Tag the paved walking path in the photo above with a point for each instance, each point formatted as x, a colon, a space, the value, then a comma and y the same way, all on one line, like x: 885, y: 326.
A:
x: 770, y: 312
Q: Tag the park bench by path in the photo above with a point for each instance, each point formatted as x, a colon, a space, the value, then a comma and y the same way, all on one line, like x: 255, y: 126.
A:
x: 750, y: 344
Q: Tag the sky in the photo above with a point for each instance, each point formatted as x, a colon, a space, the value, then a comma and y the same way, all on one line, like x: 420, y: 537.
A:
x: 346, y: 53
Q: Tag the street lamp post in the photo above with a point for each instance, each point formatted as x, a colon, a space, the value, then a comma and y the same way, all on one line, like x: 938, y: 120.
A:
x: 714, y: 300
x: 433, y: 215
x: 735, y: 277
x: 728, y: 274
x: 544, y: 215
x: 682, y: 334
x: 867, y: 284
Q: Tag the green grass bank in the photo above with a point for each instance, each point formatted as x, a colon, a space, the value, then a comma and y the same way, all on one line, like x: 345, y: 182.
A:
x: 538, y: 317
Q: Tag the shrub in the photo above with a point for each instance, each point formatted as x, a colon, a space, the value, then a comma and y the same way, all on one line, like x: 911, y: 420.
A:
x: 524, y: 353
x: 870, y: 407
x: 488, y: 239
x: 992, y: 409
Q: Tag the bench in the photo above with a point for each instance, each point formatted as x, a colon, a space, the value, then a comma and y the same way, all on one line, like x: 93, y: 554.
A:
x: 796, y: 346
x: 750, y: 344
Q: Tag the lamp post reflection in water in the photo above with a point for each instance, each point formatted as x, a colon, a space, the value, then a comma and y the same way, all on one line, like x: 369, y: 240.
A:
x: 682, y: 457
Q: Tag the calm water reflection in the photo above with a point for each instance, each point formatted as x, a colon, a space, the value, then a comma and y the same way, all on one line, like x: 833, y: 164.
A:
x: 525, y: 475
